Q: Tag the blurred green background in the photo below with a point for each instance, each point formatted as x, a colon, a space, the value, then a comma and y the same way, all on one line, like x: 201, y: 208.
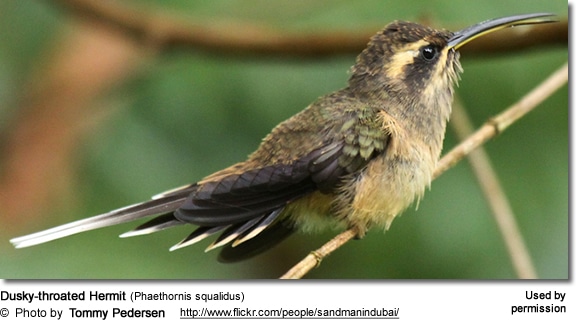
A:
x: 170, y: 118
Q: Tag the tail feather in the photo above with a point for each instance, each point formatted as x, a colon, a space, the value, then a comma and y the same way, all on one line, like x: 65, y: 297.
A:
x: 238, y: 223
x: 232, y: 233
x: 159, y: 223
x: 261, y: 226
x: 197, y: 235
x: 118, y: 216
x: 268, y: 238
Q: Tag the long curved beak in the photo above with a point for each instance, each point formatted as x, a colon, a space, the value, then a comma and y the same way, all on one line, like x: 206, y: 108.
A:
x: 466, y: 35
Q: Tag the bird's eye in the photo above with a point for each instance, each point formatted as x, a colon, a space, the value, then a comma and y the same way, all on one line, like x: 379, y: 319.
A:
x: 429, y: 53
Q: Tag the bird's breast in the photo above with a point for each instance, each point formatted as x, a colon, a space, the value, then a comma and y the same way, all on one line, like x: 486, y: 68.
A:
x: 389, y: 184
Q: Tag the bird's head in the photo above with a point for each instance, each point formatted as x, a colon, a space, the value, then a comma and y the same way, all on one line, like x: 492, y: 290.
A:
x: 415, y: 65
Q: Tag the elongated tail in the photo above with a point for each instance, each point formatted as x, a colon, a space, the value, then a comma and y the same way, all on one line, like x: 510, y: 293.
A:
x: 244, y: 203
x: 118, y: 216
x: 162, y: 207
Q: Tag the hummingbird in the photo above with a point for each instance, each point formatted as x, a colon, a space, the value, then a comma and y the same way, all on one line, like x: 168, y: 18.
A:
x: 355, y: 158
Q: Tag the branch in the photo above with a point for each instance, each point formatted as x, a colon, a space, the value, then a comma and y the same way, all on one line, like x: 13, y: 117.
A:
x: 502, y: 121
x: 490, y: 129
x: 315, y: 257
x: 496, y: 197
x: 163, y: 31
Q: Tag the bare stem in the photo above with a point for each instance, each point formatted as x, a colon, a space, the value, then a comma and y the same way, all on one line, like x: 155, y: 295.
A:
x: 314, y: 258
x: 162, y: 30
x: 496, y: 197
x: 490, y: 129
x: 501, y: 122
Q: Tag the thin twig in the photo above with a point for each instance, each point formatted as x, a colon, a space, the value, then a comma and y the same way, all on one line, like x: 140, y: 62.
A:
x: 315, y: 257
x: 500, y: 122
x: 166, y: 31
x: 496, y: 197
x: 490, y: 129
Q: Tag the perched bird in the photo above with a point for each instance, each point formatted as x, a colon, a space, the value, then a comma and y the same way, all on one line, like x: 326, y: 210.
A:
x: 355, y: 158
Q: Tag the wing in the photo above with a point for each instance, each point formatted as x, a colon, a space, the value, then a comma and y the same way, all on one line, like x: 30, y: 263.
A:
x: 250, y: 203
x: 246, y: 203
